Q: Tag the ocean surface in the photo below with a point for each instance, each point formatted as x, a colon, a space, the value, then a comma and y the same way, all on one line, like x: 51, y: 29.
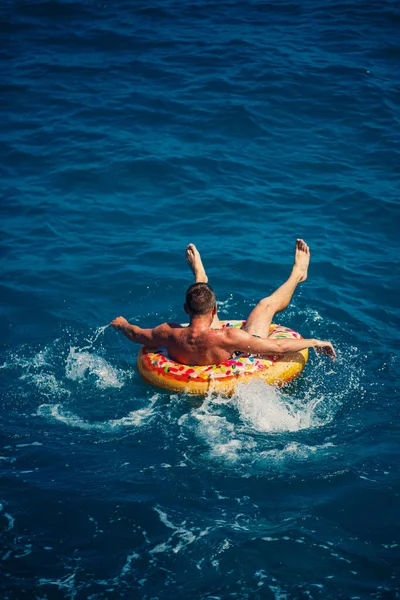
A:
x: 130, y: 129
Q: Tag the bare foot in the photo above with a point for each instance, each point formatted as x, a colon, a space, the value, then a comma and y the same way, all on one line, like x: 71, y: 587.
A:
x: 195, y: 263
x: 301, y: 260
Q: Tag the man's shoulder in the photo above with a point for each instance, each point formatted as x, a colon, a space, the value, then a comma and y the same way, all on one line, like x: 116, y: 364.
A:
x: 230, y: 332
x: 166, y: 328
x: 233, y: 335
x: 225, y: 335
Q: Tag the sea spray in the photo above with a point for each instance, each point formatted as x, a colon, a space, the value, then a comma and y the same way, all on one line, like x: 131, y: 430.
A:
x: 81, y: 366
x: 93, y: 339
x: 263, y: 424
x: 265, y: 408
x: 134, y: 419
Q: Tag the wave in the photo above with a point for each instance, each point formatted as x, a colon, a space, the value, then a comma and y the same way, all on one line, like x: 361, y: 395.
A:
x: 134, y: 419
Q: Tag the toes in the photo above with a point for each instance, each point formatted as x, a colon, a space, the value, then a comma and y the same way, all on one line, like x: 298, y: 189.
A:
x: 302, y: 246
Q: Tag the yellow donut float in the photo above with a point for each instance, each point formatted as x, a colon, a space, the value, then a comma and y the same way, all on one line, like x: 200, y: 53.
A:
x: 158, y: 369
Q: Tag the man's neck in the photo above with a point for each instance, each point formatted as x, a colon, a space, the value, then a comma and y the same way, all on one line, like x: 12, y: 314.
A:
x: 201, y: 322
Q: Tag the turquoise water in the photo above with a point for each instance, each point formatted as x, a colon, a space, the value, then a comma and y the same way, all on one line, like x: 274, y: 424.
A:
x: 130, y: 130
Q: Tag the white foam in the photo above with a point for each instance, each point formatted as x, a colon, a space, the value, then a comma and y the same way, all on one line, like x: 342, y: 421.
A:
x: 80, y: 365
x: 164, y: 519
x: 293, y: 450
x: 216, y: 430
x: 39, y: 360
x: 64, y: 583
x: 279, y: 594
x: 264, y: 408
x: 47, y: 384
x: 228, y: 450
x: 135, y: 418
x: 231, y: 427
x: 26, y: 445
x: 184, y: 536
x: 127, y: 566
x: 37, y: 369
x: 11, y: 521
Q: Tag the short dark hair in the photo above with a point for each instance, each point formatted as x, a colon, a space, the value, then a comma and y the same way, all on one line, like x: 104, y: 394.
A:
x: 200, y: 299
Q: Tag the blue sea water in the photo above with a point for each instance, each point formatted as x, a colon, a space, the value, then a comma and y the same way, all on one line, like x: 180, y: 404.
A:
x: 130, y: 129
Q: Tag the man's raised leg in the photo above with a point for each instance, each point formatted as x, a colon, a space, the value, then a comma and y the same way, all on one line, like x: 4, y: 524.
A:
x: 260, y: 318
x: 196, y: 264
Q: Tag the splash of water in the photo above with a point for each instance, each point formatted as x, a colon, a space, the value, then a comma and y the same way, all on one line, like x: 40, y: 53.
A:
x: 42, y: 368
x: 264, y: 408
x: 81, y: 365
x: 47, y: 384
x: 93, y: 339
x: 262, y: 423
x: 134, y: 419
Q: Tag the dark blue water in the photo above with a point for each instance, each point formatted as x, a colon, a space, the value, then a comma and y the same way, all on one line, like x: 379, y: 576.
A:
x: 130, y: 129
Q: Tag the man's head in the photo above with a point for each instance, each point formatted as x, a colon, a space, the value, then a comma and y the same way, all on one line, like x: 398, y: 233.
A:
x: 200, y: 300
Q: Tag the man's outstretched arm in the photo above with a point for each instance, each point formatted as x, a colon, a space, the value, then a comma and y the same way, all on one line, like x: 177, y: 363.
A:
x: 244, y: 342
x: 147, y: 337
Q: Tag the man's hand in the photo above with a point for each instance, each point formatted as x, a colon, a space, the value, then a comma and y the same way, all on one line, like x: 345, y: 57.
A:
x: 119, y: 322
x: 325, y: 348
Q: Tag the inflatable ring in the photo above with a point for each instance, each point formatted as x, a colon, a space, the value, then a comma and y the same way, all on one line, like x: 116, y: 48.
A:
x: 157, y: 368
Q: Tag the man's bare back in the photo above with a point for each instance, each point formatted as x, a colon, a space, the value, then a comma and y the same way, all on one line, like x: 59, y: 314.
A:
x: 204, y: 342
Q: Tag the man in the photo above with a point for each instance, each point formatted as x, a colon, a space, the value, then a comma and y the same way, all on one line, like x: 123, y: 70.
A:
x: 204, y: 342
